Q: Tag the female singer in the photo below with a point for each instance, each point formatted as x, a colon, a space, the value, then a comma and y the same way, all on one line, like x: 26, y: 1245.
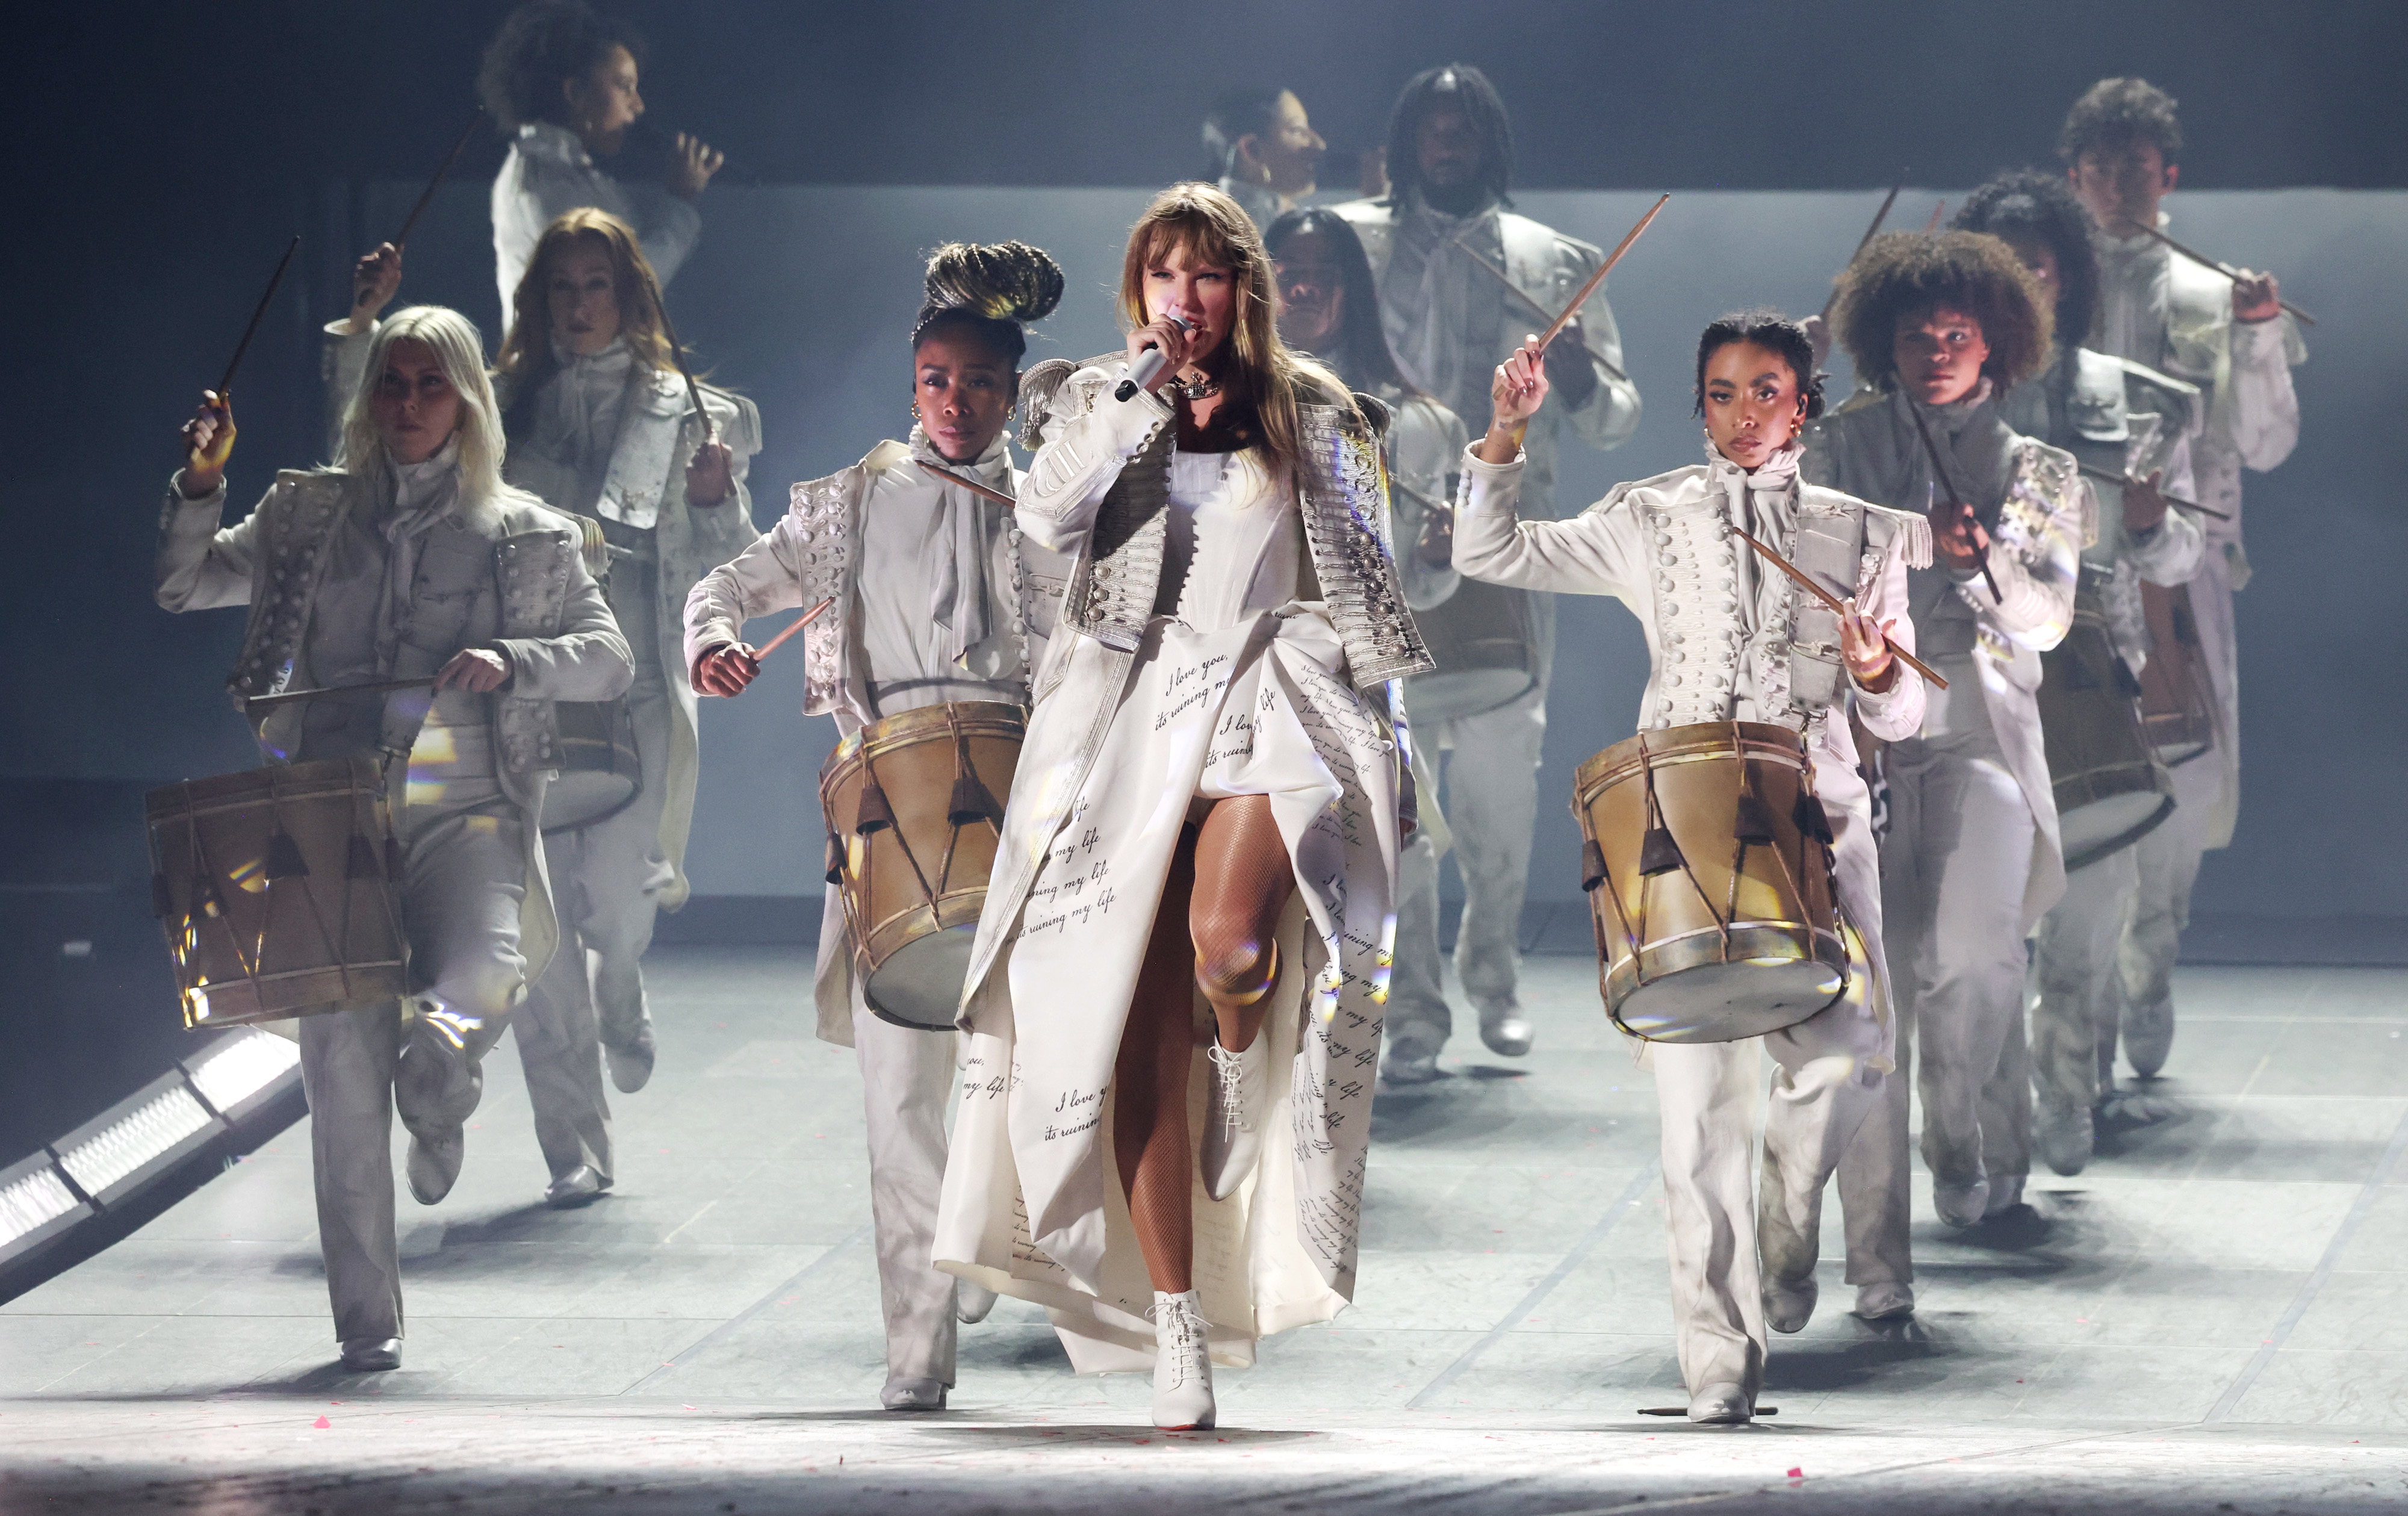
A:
x: 937, y: 599
x: 601, y: 425
x: 1740, y: 642
x: 410, y: 557
x: 1203, y: 831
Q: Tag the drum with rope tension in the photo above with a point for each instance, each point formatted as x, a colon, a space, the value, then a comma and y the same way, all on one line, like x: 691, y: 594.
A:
x: 1707, y: 861
x: 914, y: 811
x: 278, y: 890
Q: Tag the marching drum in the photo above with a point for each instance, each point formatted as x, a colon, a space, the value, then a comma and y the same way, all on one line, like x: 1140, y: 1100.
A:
x: 276, y: 887
x: 2111, y: 791
x: 915, y: 814
x: 1480, y: 638
x: 2177, y: 707
x: 599, y: 769
x: 1707, y: 861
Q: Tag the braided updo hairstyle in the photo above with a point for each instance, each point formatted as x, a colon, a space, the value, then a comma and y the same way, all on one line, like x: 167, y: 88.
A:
x: 991, y: 292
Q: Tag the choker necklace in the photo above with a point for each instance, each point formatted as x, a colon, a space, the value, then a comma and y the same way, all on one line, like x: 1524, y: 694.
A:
x: 1203, y: 389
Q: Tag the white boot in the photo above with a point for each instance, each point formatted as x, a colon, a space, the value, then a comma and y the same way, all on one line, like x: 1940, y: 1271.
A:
x: 1233, y: 1139
x: 1182, y: 1363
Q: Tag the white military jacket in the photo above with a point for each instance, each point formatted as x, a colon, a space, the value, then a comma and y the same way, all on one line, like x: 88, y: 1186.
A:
x: 2159, y: 308
x: 1729, y: 636
x: 643, y: 487
x: 2037, y: 510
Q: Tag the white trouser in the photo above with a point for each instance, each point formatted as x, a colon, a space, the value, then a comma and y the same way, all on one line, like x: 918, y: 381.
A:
x: 1822, y: 1090
x: 1827, y: 1081
x: 2080, y: 995
x: 464, y: 875
x: 1491, y: 801
x: 906, y: 1078
x: 2206, y: 792
x: 606, y: 881
x: 2166, y: 863
x: 1954, y: 866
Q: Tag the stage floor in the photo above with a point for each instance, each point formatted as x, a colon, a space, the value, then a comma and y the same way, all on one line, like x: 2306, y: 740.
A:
x: 2214, y: 1317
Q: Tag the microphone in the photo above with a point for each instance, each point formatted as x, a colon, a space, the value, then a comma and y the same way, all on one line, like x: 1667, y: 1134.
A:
x: 1150, y: 360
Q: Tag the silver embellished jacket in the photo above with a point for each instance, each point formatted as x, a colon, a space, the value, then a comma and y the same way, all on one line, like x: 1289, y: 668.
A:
x: 556, y: 628
x: 1082, y: 437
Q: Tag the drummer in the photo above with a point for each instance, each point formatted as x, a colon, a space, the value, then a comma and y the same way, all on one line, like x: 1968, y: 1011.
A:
x: 2126, y: 419
x: 1939, y: 328
x: 601, y: 425
x: 1730, y: 638
x: 408, y: 558
x: 937, y: 599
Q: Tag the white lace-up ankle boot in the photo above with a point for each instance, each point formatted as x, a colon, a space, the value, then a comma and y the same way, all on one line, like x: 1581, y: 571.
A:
x: 1182, y: 1363
x: 1233, y: 1137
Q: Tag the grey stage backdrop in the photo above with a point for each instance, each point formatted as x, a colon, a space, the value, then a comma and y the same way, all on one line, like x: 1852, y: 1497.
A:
x: 800, y: 296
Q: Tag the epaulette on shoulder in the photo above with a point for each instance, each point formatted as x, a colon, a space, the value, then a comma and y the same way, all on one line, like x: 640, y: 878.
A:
x: 1038, y: 388
x: 1908, y: 533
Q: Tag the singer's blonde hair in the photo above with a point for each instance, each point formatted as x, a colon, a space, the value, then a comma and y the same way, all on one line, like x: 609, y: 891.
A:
x: 1207, y: 226
x: 460, y: 354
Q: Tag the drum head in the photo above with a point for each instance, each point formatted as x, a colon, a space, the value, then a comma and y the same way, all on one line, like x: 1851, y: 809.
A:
x: 2108, y: 826
x: 920, y: 985
x: 1726, y: 1002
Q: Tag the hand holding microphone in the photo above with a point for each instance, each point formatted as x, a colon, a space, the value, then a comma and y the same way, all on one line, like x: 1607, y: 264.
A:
x: 1156, y: 349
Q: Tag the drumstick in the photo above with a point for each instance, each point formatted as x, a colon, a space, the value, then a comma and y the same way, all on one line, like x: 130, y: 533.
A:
x: 972, y: 485
x: 1940, y: 467
x: 225, y: 385
x: 791, y: 627
x: 694, y: 391
x: 1831, y: 600
x: 1598, y: 278
x: 2222, y: 267
x: 1870, y: 231
x: 1931, y: 227
x: 402, y: 238
x: 2112, y: 477
x: 1535, y: 310
x: 259, y: 702
x: 1556, y: 326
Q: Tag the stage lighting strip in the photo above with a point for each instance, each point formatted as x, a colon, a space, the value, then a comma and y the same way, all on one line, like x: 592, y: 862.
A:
x: 241, y: 1068
x: 134, y: 1139
x: 33, y: 1203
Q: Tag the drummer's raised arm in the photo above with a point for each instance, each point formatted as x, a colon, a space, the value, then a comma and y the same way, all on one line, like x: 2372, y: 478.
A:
x: 199, y: 565
x: 1597, y: 552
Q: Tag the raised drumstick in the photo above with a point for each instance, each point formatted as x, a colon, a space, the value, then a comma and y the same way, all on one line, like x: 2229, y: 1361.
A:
x: 1870, y: 231
x: 225, y: 385
x: 1597, y: 279
x: 2222, y: 267
x: 1831, y: 600
x: 426, y: 197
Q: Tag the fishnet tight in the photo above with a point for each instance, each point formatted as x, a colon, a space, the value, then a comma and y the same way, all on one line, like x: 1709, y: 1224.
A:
x: 1214, y: 931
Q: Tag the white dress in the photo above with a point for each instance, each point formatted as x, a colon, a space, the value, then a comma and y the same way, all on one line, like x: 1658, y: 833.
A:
x: 1237, y: 688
